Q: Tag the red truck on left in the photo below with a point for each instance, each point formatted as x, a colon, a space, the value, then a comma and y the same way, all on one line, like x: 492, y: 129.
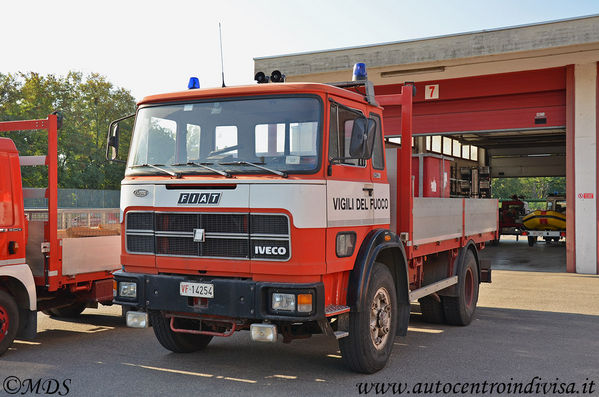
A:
x: 43, y: 268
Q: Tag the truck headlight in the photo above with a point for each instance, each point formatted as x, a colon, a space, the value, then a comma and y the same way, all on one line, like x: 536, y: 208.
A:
x: 284, y: 302
x: 127, y: 289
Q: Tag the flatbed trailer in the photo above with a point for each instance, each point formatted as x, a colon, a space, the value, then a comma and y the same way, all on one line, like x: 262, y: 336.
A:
x: 299, y: 224
x: 548, y: 235
x: 58, y: 268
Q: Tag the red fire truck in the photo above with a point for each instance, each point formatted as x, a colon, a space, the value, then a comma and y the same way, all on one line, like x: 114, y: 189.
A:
x: 275, y: 208
x: 44, y: 267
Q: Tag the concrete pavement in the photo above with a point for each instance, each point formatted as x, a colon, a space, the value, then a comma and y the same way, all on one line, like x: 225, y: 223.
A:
x: 527, y: 324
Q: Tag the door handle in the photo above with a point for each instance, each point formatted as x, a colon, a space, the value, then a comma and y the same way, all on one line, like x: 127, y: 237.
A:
x: 369, y: 189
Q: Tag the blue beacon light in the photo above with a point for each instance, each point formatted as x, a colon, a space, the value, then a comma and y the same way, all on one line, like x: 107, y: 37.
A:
x: 194, y: 83
x: 359, y: 72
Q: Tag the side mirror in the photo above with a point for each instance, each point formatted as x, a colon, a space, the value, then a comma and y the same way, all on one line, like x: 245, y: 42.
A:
x: 362, y: 138
x: 112, y: 142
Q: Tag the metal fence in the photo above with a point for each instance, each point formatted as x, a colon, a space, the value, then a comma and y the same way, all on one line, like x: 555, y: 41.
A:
x: 79, y: 198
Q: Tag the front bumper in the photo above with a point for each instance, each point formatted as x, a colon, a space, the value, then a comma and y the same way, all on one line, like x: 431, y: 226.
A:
x: 233, y: 298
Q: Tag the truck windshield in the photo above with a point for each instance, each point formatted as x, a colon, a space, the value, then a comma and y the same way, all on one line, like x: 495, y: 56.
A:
x: 282, y: 134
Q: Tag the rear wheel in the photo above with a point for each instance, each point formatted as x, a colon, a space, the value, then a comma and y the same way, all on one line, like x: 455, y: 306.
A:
x: 459, y: 310
x: 72, y: 310
x: 372, y: 329
x: 175, y: 341
x: 9, y: 321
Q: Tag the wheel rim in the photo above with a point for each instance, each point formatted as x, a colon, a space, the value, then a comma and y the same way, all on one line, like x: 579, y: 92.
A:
x: 469, y: 287
x: 380, y: 318
x: 4, y: 322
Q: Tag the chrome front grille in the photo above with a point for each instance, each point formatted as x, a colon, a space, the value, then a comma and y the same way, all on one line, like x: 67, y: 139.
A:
x: 227, y: 235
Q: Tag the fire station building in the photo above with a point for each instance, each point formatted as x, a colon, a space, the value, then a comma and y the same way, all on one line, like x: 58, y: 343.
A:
x: 522, y: 101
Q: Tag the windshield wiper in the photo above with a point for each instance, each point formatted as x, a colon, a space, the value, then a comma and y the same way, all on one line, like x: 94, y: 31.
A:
x: 205, y: 166
x: 243, y: 162
x: 155, y: 166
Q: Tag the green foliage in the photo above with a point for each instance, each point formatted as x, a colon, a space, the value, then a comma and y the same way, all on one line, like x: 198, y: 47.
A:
x: 530, y: 188
x: 88, y: 105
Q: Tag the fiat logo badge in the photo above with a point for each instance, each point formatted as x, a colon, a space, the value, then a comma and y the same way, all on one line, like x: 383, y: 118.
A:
x: 140, y: 192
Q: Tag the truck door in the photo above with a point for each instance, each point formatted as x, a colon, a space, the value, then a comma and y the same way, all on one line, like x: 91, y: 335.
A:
x: 350, y: 215
x: 380, y: 200
x: 12, y: 247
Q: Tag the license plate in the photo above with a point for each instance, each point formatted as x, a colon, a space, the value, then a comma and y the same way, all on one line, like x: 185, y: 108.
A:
x: 199, y: 290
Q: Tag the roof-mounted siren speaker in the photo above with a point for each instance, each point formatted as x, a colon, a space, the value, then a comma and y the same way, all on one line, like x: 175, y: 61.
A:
x: 277, y: 77
x: 261, y: 78
x: 359, y: 72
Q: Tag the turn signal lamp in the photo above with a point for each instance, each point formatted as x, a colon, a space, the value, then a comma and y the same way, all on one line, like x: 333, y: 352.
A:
x: 304, y: 303
x: 359, y: 72
x: 194, y: 83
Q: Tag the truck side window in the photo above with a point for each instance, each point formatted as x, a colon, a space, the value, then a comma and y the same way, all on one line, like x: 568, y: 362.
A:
x: 378, y: 159
x: 342, y: 121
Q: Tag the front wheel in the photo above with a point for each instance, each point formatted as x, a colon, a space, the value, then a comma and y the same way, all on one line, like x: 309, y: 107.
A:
x: 373, y: 326
x: 176, y: 341
x: 532, y: 240
x: 9, y: 321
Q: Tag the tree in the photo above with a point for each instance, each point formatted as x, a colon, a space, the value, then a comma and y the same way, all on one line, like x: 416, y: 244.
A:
x: 87, y: 105
x: 531, y: 188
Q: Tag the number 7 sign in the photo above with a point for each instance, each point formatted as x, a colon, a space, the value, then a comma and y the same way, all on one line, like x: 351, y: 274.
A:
x: 431, y: 91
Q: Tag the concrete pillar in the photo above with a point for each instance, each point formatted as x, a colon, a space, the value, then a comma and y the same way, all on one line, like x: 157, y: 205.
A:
x: 585, y: 166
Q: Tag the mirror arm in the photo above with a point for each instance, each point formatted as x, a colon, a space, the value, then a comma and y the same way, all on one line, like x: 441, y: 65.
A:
x: 110, y: 139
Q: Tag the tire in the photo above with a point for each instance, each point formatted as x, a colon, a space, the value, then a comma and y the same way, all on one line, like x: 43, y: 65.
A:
x: 532, y: 240
x: 70, y: 311
x: 372, y: 329
x: 175, y: 341
x: 459, y: 310
x: 432, y: 310
x: 9, y: 321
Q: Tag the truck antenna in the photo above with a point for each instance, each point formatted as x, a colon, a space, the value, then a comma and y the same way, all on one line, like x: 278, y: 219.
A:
x: 222, y: 64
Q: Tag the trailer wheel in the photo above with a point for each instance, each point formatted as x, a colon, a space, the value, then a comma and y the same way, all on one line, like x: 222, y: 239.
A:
x: 175, y: 341
x: 70, y: 311
x: 459, y: 310
x: 432, y: 310
x: 373, y: 327
x: 532, y: 240
x: 9, y: 321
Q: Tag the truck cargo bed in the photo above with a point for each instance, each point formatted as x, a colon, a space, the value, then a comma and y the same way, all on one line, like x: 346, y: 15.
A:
x: 439, y: 219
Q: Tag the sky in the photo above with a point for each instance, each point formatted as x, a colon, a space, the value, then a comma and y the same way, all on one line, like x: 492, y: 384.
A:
x: 151, y: 47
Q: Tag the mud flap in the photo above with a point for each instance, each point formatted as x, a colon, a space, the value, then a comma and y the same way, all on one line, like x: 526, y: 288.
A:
x: 29, y: 330
x: 403, y: 318
x: 485, y: 270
